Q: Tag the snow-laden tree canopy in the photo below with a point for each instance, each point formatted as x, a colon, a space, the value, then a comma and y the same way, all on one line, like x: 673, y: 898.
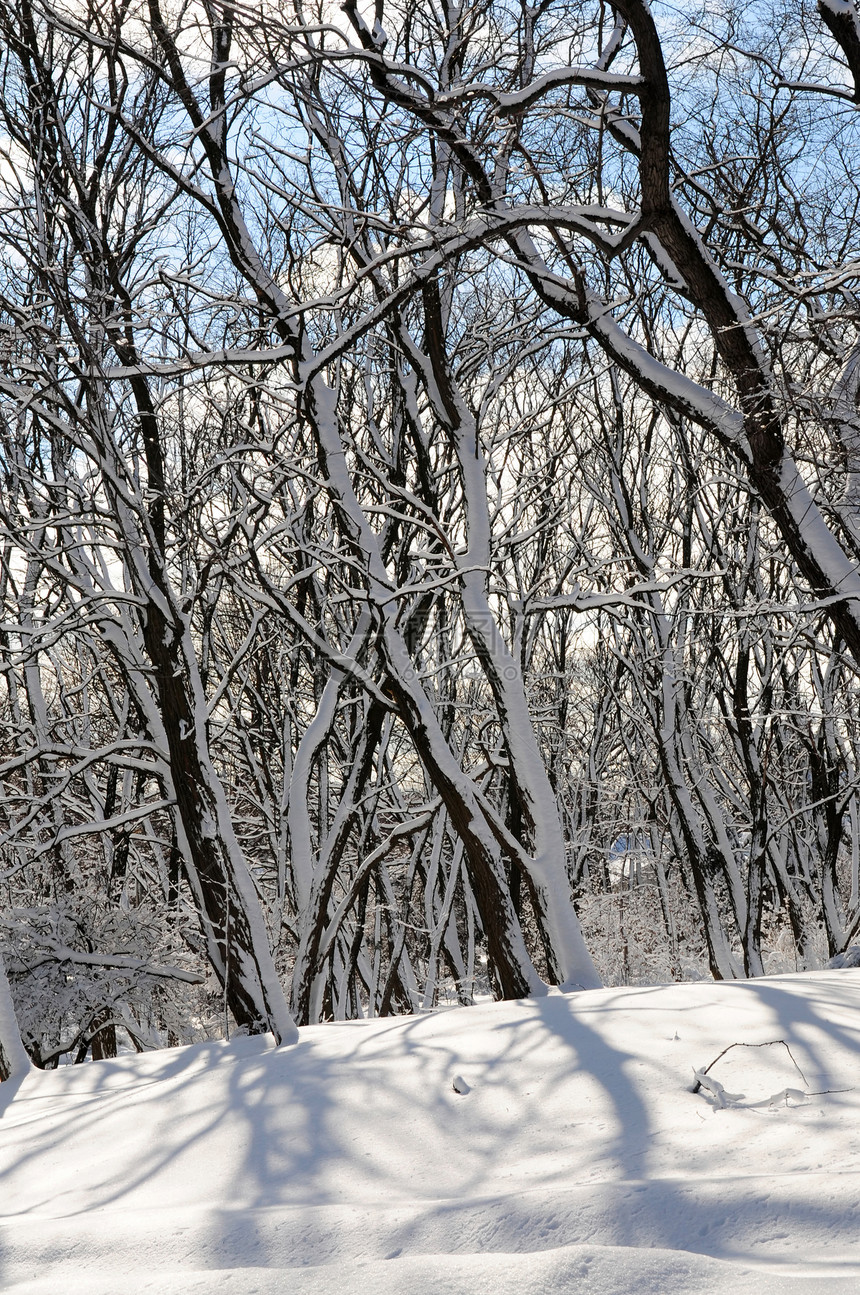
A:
x: 429, y: 505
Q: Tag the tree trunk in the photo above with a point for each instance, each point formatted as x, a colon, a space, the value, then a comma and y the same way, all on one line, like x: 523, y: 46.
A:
x: 14, y: 1061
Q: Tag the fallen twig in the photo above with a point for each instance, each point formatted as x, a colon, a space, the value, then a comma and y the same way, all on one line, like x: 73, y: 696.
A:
x: 769, y: 1044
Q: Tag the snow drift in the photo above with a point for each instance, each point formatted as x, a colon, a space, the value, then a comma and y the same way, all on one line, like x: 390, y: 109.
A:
x: 544, y: 1145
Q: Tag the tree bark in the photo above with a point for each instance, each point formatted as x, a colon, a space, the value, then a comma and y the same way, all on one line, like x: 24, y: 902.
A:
x: 14, y: 1061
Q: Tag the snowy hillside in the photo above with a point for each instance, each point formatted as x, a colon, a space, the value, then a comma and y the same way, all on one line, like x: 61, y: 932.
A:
x: 576, y: 1158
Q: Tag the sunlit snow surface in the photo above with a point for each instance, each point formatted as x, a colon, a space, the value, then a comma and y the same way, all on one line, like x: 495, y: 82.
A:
x: 577, y: 1159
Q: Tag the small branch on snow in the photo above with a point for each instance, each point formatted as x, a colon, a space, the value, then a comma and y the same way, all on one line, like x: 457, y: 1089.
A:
x: 771, y: 1043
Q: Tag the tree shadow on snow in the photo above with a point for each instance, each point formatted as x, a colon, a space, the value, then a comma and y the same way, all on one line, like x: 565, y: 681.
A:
x: 355, y: 1144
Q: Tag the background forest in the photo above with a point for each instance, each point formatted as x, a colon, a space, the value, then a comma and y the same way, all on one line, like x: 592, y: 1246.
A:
x: 429, y: 505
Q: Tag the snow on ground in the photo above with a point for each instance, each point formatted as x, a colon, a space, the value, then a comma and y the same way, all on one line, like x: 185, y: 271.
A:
x: 578, y: 1158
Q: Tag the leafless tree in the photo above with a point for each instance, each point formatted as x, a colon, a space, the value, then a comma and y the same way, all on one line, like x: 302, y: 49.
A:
x: 385, y: 396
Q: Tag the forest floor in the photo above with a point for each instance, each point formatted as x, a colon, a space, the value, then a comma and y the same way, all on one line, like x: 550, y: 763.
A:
x: 575, y: 1158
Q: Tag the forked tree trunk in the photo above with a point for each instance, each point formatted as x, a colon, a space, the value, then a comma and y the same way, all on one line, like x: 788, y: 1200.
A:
x: 216, y: 867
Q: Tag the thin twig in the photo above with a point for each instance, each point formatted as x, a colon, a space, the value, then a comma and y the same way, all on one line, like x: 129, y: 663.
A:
x: 769, y: 1044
